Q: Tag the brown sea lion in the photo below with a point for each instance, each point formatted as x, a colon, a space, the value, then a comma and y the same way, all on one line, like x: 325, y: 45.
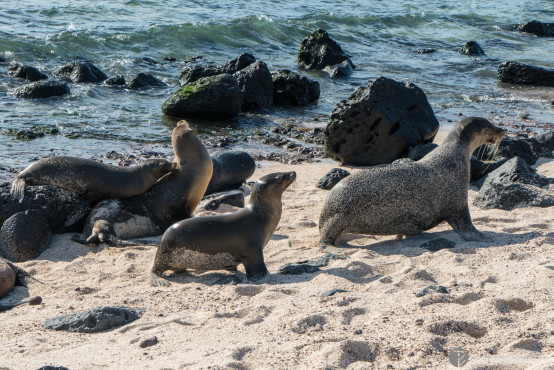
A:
x: 174, y: 197
x: 408, y: 199
x: 224, y: 241
x: 91, y: 178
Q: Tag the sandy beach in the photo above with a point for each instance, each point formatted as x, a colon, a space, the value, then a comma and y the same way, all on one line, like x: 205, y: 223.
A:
x: 498, y: 308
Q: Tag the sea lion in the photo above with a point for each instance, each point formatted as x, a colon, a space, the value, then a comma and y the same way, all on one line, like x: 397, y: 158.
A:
x: 407, y: 199
x: 91, y: 178
x: 10, y: 276
x: 224, y: 241
x: 174, y: 197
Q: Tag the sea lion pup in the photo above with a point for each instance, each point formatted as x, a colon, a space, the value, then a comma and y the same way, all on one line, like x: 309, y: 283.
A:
x: 91, y: 178
x: 224, y: 241
x: 407, y: 199
x: 173, y: 198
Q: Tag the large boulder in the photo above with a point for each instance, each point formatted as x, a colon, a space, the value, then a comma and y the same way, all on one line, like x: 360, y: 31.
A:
x: 524, y: 74
x: 318, y: 51
x: 472, y: 48
x: 379, y: 123
x: 80, y: 72
x: 41, y: 90
x: 27, y: 72
x: 64, y: 210
x: 512, y: 184
x: 25, y: 236
x: 196, y: 72
x: 537, y: 28
x: 145, y: 80
x: 216, y: 96
x: 293, y: 89
x: 256, y: 85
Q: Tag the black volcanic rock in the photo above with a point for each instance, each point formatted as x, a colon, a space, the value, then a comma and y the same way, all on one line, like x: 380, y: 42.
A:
x: 524, y: 74
x: 145, y: 80
x: 215, y: 96
x: 80, y: 72
x: 194, y: 73
x: 27, y: 72
x: 256, y: 85
x: 293, y: 89
x: 472, y: 48
x: 318, y: 51
x: 379, y: 123
x: 41, y: 90
x: 537, y: 28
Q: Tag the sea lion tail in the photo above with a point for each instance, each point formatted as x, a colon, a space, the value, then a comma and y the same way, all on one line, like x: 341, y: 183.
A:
x: 17, y: 190
x: 157, y: 281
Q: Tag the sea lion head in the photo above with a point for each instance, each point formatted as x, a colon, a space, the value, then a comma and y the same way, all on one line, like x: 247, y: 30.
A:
x: 274, y: 184
x: 187, y: 146
x: 158, y: 167
x: 476, y: 131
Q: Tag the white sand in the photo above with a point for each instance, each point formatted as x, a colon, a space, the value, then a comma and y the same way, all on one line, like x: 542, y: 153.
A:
x: 500, y: 307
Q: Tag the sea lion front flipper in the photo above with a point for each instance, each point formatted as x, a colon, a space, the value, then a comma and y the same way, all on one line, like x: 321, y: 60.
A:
x: 463, y: 226
x: 254, y: 265
x: 156, y: 280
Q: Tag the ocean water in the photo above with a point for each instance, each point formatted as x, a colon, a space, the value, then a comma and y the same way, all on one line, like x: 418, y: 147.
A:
x: 382, y: 37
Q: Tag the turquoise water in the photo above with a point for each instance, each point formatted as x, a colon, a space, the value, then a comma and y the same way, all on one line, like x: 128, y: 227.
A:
x: 381, y: 36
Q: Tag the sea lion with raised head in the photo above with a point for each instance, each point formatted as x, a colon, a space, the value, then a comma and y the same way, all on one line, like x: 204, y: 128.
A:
x: 407, y: 199
x: 93, y: 179
x: 224, y: 241
x: 173, y: 198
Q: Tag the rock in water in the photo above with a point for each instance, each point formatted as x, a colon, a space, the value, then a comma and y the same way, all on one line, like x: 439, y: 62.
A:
x: 118, y: 80
x: 318, y: 51
x: 332, y: 178
x: 41, y: 90
x: 144, y: 80
x: 379, y: 123
x: 472, y: 48
x: 27, y: 72
x: 80, y: 72
x: 194, y: 73
x: 256, y: 85
x: 218, y: 96
x: 293, y: 89
x: 524, y: 74
x: 537, y: 28
x: 94, y: 320
x: 343, y: 69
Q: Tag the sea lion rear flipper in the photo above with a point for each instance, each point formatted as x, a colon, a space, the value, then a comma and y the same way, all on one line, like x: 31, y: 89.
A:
x: 22, y: 277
